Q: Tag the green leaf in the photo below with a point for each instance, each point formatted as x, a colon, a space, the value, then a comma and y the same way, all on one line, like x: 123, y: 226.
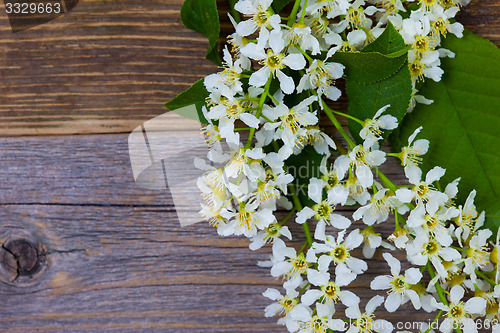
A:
x: 278, y: 5
x: 202, y: 16
x: 366, y: 68
x: 366, y: 99
x: 189, y: 103
x: 302, y: 167
x: 389, y: 42
x: 463, y: 123
x: 387, y: 80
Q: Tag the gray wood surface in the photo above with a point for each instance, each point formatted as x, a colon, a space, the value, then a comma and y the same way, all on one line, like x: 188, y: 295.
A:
x: 112, y: 256
x: 116, y: 258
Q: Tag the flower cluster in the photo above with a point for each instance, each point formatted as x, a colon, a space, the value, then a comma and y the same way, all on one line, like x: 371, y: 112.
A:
x: 259, y: 119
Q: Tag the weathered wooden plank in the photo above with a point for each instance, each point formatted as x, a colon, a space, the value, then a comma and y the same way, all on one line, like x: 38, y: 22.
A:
x: 103, y: 67
x: 123, y: 263
x: 80, y: 170
x: 106, y: 67
x: 483, y: 18
x: 121, y: 267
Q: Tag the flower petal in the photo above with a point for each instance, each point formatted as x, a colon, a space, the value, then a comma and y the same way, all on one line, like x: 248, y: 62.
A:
x: 286, y: 82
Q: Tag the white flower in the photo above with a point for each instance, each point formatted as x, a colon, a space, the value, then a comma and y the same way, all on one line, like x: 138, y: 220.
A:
x: 399, y: 285
x: 337, y: 191
x: 273, y: 61
x: 247, y: 162
x: 424, y: 249
x: 261, y: 17
x: 246, y: 221
x: 400, y: 237
x: 440, y: 22
x: 423, y: 191
x: 362, y: 157
x: 356, y: 15
x: 294, y: 266
x: 466, y: 220
x: 415, y: 98
x: 321, y: 76
x: 284, y: 302
x: 417, y: 24
x: 312, y: 135
x: 291, y: 120
x: 338, y: 251
x: 426, y: 65
x: 477, y: 253
x: 410, y: 156
x: 306, y: 322
x: 355, y: 41
x: 459, y: 313
x: 300, y: 35
x: 227, y: 112
x: 378, y: 209
x: 269, y: 190
x: 270, y: 234
x: 371, y: 127
x: 330, y: 291
x: 332, y: 8
x: 372, y: 241
x: 365, y: 322
x: 212, y: 215
x: 322, y: 211
x: 357, y: 192
x: 432, y: 223
x: 228, y: 81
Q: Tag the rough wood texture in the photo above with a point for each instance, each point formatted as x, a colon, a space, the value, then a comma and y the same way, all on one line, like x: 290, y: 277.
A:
x: 107, y: 66
x: 110, y: 256
x: 104, y: 67
x: 116, y: 258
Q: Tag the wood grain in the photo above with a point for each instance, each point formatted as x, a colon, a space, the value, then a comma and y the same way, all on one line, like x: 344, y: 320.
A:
x: 114, y: 256
x: 104, y: 67
x: 107, y: 66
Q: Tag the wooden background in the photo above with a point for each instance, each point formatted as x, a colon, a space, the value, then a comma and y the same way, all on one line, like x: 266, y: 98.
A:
x: 113, y: 257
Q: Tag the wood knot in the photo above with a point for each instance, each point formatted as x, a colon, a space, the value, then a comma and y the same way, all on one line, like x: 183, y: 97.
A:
x: 21, y: 261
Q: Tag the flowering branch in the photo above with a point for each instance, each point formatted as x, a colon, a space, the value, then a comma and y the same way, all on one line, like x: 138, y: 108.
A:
x: 277, y: 79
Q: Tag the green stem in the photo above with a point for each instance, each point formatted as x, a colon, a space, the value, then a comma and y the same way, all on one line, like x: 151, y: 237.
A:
x: 435, y: 319
x: 304, y: 288
x: 390, y: 185
x: 287, y: 217
x: 487, y: 279
x: 267, y: 119
x: 243, y: 129
x: 273, y: 99
x: 459, y: 249
x: 335, y: 122
x: 303, y: 247
x: 303, y: 12
x: 350, y: 117
x: 386, y: 181
x: 304, y: 54
x: 259, y: 109
x: 298, y: 205
x: 234, y: 12
x: 227, y: 202
x: 439, y: 289
x: 293, y: 14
